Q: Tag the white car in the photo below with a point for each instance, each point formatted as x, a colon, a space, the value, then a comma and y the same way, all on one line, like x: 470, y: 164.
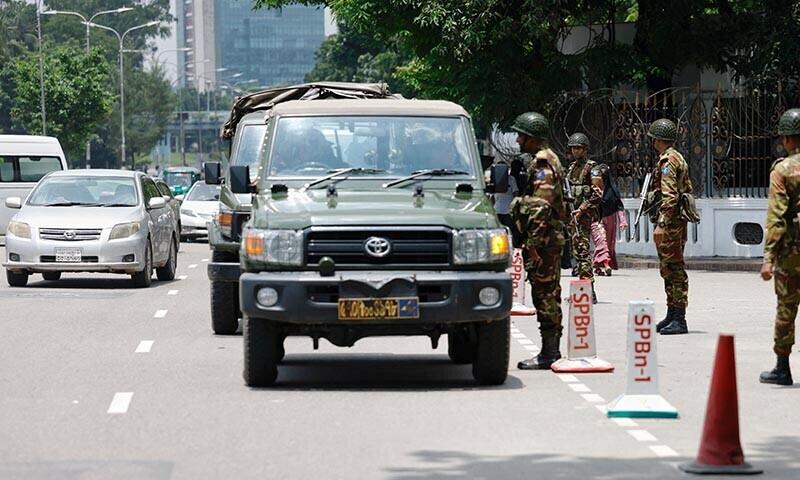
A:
x: 199, y: 206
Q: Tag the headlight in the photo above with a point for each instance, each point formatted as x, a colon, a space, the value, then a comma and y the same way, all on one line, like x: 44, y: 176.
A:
x: 19, y: 229
x: 188, y: 212
x: 282, y: 247
x: 124, y: 230
x: 480, y: 246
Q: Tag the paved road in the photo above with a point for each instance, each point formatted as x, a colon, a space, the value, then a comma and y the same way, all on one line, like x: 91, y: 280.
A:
x: 76, y: 349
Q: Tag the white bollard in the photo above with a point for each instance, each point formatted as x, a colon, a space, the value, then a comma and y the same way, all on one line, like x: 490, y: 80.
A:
x: 641, y: 398
x: 517, y: 271
x: 581, y: 346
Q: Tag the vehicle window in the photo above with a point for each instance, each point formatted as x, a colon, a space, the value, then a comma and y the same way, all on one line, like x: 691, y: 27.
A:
x: 84, y: 190
x: 27, y: 168
x: 250, y: 145
x: 183, y: 179
x: 149, y: 189
x: 311, y: 146
x: 163, y: 189
x: 203, y: 193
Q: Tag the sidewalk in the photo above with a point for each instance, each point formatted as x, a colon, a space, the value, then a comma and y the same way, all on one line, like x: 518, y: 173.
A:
x: 712, y: 264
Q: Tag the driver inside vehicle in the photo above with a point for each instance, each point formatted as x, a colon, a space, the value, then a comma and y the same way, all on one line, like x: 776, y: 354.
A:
x: 304, y: 151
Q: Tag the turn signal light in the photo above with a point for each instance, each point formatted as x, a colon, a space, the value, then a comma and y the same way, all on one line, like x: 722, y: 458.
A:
x: 225, y: 219
x: 499, y: 244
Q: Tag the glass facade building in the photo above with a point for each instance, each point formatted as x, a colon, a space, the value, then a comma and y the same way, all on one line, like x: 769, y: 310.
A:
x: 275, y: 47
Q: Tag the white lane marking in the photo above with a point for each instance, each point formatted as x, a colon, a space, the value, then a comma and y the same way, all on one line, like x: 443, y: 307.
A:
x: 205, y: 260
x: 160, y: 314
x: 182, y: 277
x: 194, y: 265
x: 663, y: 451
x: 172, y: 292
x: 120, y: 402
x: 144, y: 346
x: 625, y: 422
x: 593, y: 398
x: 603, y: 408
x: 579, y: 387
x: 642, y: 435
x: 518, y: 335
x: 525, y: 341
x: 567, y: 378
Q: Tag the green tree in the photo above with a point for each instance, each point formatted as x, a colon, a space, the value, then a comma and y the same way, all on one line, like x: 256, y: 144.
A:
x: 77, y: 99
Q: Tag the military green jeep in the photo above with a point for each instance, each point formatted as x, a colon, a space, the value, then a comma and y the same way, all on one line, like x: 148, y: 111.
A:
x: 370, y: 218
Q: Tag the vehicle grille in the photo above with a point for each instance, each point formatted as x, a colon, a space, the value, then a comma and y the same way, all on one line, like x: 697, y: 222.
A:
x: 52, y: 259
x: 70, y: 234
x: 420, y: 246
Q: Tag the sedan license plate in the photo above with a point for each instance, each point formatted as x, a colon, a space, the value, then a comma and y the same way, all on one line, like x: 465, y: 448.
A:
x: 68, y: 255
x: 378, y: 308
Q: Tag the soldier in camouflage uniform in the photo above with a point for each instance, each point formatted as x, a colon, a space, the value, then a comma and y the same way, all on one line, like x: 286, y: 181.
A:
x: 670, y: 180
x: 539, y: 215
x: 782, y: 244
x: 586, y: 197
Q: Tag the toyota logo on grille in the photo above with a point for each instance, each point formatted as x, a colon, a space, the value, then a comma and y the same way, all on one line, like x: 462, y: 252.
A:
x: 377, y: 247
x: 69, y: 235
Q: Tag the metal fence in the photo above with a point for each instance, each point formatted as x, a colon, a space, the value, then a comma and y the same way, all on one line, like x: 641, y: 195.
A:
x: 727, y: 137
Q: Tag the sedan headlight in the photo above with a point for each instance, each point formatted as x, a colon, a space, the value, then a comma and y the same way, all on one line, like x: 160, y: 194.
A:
x: 19, y: 229
x: 124, y: 230
x: 280, y: 247
x: 188, y: 212
x: 480, y: 246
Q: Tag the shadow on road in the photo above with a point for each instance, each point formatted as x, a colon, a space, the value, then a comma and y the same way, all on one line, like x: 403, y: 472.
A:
x: 85, y: 469
x: 388, y: 372
x: 99, y: 283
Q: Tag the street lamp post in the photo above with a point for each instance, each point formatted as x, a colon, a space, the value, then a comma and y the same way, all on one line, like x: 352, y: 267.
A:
x: 88, y: 47
x: 121, y: 38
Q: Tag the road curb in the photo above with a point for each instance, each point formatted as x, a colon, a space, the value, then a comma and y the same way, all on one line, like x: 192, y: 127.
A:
x: 713, y: 264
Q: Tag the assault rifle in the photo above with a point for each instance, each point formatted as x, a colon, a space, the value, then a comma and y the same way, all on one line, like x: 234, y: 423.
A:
x: 642, y: 199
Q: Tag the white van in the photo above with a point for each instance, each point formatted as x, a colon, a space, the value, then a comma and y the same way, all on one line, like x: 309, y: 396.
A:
x: 24, y: 159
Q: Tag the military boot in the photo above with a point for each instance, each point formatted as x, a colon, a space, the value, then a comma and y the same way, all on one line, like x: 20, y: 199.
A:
x: 780, y: 375
x: 549, y: 354
x: 678, y: 324
x: 663, y: 323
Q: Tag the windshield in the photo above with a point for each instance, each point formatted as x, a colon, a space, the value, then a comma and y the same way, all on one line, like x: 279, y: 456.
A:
x: 94, y: 191
x: 182, y: 179
x: 312, y: 146
x: 202, y: 192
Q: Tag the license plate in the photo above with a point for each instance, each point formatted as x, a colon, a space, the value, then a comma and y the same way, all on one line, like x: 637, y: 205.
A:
x: 69, y: 255
x: 378, y: 308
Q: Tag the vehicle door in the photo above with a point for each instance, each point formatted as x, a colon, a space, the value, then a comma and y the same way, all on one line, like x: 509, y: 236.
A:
x: 174, y: 203
x: 160, y: 219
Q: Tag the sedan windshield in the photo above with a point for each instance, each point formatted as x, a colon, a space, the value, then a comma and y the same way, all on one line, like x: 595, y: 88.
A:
x: 202, y: 192
x: 386, y: 146
x: 86, y: 191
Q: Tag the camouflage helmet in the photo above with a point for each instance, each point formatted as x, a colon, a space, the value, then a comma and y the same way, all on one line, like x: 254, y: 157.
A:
x: 578, y: 140
x: 663, y: 129
x: 789, y: 124
x: 532, y: 124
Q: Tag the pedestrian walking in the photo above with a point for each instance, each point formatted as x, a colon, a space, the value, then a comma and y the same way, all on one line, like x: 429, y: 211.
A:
x: 670, y: 182
x: 539, y: 215
x: 604, y: 232
x: 585, y: 207
x: 782, y: 244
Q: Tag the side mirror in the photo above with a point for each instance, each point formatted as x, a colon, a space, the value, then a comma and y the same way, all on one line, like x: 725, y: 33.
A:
x: 14, y: 202
x: 180, y: 197
x: 156, y: 202
x: 499, y: 178
x: 240, y: 179
x: 212, y: 172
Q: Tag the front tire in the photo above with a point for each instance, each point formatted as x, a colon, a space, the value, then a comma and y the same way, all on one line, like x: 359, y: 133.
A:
x: 460, y: 348
x: 263, y: 344
x: 225, y: 311
x: 17, y: 279
x: 491, y: 360
x: 144, y: 278
x: 51, y: 276
x: 167, y: 272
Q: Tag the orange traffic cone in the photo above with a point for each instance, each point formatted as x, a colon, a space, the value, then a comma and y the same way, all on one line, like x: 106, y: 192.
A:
x: 720, y: 448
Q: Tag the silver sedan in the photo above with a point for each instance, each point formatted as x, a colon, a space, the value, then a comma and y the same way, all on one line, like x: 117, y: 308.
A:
x: 92, y: 221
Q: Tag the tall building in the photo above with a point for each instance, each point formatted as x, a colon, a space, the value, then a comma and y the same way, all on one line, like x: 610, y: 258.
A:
x: 227, y: 38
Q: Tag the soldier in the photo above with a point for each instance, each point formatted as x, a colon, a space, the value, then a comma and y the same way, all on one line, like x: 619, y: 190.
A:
x: 670, y: 181
x: 539, y: 215
x: 782, y: 244
x: 586, y: 205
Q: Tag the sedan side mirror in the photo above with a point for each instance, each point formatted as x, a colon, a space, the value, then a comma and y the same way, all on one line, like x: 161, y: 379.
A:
x: 156, y: 202
x: 14, y: 202
x: 240, y: 179
x: 499, y: 179
x: 212, y: 172
x: 179, y: 197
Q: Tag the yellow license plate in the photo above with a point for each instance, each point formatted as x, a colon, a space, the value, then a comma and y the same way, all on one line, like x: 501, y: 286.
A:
x: 378, y: 308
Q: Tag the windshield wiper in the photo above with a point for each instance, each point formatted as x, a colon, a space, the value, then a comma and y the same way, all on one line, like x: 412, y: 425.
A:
x: 117, y: 205
x: 430, y: 172
x: 338, y: 173
x: 71, y: 204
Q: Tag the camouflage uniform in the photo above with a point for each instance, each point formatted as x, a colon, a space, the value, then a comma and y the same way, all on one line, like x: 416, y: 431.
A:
x: 539, y: 215
x: 782, y: 247
x: 587, y: 199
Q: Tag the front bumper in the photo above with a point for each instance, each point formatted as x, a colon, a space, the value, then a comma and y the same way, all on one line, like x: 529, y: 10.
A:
x: 103, y: 255
x: 445, y: 297
x: 194, y: 226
